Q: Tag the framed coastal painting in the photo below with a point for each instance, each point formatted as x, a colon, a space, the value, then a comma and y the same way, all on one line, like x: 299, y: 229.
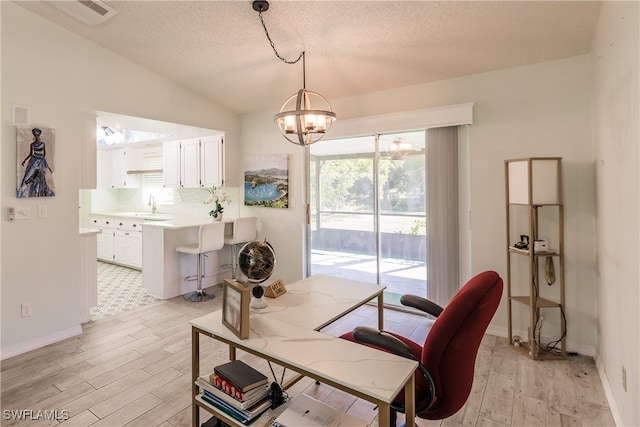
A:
x: 266, y: 181
x: 35, y: 148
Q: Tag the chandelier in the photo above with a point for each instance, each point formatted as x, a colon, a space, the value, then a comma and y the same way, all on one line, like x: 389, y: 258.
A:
x: 399, y: 148
x: 305, y: 117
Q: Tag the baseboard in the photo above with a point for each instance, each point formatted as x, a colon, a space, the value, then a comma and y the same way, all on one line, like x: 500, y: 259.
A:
x: 34, y: 344
x: 585, y: 350
x: 608, y: 391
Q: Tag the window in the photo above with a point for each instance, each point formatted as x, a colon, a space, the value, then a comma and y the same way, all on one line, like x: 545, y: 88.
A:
x: 368, y: 218
x: 152, y: 182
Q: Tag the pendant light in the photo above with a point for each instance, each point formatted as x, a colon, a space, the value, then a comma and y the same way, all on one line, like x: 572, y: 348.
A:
x: 305, y: 117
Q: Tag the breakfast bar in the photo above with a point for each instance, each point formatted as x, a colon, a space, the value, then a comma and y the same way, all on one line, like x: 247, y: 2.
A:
x: 164, y: 270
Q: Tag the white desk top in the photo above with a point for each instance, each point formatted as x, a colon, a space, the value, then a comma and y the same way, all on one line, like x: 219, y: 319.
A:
x: 318, y: 300
x: 362, y: 369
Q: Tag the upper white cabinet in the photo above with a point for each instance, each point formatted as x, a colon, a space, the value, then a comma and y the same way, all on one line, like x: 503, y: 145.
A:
x: 190, y: 163
x: 211, y: 161
x: 114, y: 165
x: 194, y: 163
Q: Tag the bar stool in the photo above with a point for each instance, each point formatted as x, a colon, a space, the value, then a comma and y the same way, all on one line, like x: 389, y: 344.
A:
x: 244, y: 230
x: 210, y: 238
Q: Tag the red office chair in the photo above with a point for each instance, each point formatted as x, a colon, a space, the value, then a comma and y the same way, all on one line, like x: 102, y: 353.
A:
x: 447, y: 358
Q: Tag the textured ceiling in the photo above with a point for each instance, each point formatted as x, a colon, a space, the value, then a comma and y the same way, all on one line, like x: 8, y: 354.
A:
x: 218, y: 48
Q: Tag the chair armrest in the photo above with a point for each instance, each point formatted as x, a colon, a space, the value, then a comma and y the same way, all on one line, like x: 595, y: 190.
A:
x: 381, y: 339
x: 421, y: 304
x: 367, y: 335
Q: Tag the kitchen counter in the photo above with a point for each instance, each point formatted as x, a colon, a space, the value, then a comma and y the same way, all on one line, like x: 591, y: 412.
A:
x: 163, y: 268
x: 162, y: 220
x: 89, y: 231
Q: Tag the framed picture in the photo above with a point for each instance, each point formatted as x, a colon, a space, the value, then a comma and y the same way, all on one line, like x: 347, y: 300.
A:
x: 35, y: 150
x: 235, y: 308
x: 266, y: 181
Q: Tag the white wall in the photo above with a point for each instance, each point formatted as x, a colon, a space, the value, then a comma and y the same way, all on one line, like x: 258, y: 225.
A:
x: 58, y: 75
x: 538, y: 110
x: 616, y: 132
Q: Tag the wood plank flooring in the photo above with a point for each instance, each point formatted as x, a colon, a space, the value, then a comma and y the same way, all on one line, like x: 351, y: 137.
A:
x: 134, y: 369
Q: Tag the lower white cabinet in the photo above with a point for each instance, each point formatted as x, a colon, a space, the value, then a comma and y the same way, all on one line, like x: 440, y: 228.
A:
x: 127, y: 248
x: 105, y: 244
x: 120, y: 241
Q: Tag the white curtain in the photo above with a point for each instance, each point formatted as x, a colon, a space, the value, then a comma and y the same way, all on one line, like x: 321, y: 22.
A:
x: 443, y: 264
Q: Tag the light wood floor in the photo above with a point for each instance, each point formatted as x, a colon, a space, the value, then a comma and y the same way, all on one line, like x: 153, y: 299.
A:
x: 134, y: 369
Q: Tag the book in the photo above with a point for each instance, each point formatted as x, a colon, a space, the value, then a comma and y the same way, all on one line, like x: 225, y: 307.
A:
x: 262, y: 392
x: 242, y: 415
x: 242, y: 376
x: 225, y: 386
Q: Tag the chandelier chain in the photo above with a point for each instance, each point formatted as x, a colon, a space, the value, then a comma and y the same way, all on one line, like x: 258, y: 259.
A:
x: 273, y: 46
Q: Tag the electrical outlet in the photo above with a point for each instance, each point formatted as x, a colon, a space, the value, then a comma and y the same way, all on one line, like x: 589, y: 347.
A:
x: 624, y: 378
x: 26, y: 309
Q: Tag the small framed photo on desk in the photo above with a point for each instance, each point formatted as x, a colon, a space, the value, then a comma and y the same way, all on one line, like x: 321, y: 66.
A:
x: 235, y: 308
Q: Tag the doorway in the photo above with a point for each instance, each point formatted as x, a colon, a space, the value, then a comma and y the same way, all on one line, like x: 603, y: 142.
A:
x: 368, y: 211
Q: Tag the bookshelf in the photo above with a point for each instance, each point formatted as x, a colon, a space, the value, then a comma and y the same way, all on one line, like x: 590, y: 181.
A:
x: 535, y: 269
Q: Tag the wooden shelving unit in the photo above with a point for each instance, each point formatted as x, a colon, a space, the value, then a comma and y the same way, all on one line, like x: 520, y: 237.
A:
x: 534, y: 209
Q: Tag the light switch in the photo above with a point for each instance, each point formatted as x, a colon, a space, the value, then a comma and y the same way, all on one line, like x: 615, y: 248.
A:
x: 23, y: 212
x: 42, y: 211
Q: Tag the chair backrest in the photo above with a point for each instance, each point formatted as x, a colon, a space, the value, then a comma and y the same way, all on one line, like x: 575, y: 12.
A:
x: 244, y: 229
x: 211, y: 237
x: 450, y: 349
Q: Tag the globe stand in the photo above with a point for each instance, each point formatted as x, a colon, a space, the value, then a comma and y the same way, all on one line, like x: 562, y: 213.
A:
x: 257, y: 302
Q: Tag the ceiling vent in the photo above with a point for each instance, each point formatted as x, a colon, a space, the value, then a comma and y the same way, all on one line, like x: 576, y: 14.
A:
x: 89, y: 12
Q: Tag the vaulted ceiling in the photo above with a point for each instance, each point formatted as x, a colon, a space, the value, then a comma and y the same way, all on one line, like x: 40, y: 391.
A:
x: 219, y: 49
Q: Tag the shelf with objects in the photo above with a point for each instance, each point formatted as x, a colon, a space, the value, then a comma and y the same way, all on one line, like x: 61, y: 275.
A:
x: 535, y: 257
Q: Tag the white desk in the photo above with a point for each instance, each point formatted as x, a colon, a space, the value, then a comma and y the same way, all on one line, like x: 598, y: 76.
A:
x: 281, y: 335
x: 319, y: 300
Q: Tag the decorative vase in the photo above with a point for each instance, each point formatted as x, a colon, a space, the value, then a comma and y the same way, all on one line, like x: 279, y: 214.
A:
x: 218, y: 217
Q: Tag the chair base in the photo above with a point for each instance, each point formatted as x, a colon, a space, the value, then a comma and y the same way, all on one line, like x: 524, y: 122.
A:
x: 198, y: 296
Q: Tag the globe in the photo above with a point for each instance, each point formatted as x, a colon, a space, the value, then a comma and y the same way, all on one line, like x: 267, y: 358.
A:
x: 256, y: 260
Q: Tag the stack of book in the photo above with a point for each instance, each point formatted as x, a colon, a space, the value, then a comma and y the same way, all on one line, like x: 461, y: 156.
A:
x: 236, y: 389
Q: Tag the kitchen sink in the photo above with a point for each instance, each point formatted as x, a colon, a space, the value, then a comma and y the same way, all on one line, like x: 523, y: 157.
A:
x: 153, y: 216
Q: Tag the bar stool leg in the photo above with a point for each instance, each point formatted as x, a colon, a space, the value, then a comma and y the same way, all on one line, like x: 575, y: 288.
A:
x: 234, y: 261
x: 199, y: 295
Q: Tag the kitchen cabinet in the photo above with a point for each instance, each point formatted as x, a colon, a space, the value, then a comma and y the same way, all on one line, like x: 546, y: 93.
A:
x: 127, y: 248
x: 120, y: 241
x: 114, y: 165
x: 194, y: 163
x: 105, y: 237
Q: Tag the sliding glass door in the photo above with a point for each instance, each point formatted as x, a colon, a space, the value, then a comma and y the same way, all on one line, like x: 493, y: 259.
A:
x: 367, y: 210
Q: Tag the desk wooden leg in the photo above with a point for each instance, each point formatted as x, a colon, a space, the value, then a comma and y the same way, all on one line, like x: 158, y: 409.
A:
x: 384, y: 414
x: 195, y: 371
x: 381, y: 312
x: 410, y: 401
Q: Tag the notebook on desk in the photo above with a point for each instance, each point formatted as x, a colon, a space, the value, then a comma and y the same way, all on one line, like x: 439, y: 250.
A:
x: 309, y: 412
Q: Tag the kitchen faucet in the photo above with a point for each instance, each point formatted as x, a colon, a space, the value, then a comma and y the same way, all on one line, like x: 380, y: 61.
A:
x: 152, y: 203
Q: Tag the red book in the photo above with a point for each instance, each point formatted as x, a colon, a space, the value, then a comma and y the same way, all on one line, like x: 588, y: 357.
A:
x: 240, y: 375
x: 221, y: 384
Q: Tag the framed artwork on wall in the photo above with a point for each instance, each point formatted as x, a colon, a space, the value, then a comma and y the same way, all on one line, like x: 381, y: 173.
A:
x: 235, y: 308
x: 35, y: 148
x: 266, y: 181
